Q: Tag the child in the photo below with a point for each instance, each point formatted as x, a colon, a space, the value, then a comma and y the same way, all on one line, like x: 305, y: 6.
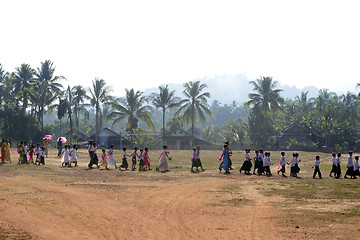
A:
x: 282, y: 164
x: 91, y: 153
x: 73, y: 156
x: 19, y: 150
x: 31, y: 154
x: 95, y: 157
x: 112, y: 160
x: 133, y: 156
x: 37, y: 152
x: 225, y: 157
x: 317, y: 167
x: 103, y: 161
x: 295, y: 165
x: 356, y: 168
x: 65, y: 156
x: 334, y: 165
x: 257, y: 162
x: 246, y: 167
x: 141, y: 160
x: 338, y: 168
x: 261, y: 159
x: 163, y: 163
x: 266, y: 164
x: 198, y: 159
x: 350, y: 165
x: 124, y: 161
x: 193, y: 161
x: 41, y: 156
x: 230, y: 153
x: 24, y: 152
x: 147, y: 159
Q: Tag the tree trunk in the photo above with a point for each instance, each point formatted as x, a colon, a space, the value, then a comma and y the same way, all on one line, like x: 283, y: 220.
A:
x: 97, y: 115
x: 71, y: 127
x: 192, y: 126
x: 163, y: 126
x: 60, y: 126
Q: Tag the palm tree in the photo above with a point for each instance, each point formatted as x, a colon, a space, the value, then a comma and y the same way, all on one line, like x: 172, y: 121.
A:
x: 23, y: 80
x: 79, y: 96
x: 267, y: 98
x: 99, y: 95
x: 195, y: 105
x: 165, y: 100
x: 46, y: 87
x: 134, y: 109
x: 349, y: 109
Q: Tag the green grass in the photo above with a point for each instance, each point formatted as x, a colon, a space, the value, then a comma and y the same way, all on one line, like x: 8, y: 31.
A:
x: 311, y: 202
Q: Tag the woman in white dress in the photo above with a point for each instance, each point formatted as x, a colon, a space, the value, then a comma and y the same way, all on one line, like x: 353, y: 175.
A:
x: 163, y: 163
x: 111, y: 158
x: 66, y: 156
x: 73, y: 156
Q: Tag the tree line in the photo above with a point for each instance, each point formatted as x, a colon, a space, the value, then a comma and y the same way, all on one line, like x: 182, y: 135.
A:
x: 27, y: 95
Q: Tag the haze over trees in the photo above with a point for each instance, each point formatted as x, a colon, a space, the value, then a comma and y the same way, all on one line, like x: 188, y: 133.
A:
x: 39, y: 101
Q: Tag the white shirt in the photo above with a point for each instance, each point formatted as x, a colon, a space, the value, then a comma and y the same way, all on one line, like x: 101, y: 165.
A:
x: 350, y: 162
x: 37, y: 150
x: 337, y: 160
x: 317, y: 163
x: 41, y: 154
x: 124, y: 154
x: 283, y: 161
x: 197, y: 155
x: 25, y: 148
x: 267, y: 162
x: 356, y: 165
x: 261, y: 157
x: 194, y: 155
x: 334, y: 160
x: 256, y: 156
x: 294, y: 161
x: 247, y: 157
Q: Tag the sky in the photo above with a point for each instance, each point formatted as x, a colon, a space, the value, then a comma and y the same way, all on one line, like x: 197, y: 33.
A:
x: 141, y: 44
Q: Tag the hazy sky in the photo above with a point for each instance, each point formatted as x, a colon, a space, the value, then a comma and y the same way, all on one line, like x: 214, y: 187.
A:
x: 143, y: 44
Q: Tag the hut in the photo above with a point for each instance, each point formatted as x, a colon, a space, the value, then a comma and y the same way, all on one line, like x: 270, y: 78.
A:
x: 77, y: 136
x: 107, y: 137
x: 298, y: 133
x: 180, y: 139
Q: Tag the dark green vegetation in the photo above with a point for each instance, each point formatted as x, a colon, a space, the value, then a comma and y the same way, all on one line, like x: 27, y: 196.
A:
x: 34, y: 102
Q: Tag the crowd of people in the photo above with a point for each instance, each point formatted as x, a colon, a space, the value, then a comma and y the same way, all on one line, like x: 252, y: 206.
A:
x: 259, y: 164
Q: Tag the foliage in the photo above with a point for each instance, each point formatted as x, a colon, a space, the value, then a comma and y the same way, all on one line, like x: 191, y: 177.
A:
x: 195, y: 105
x: 133, y: 108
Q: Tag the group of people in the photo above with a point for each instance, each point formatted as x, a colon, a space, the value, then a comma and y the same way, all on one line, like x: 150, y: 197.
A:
x: 142, y: 157
x: 69, y: 155
x: 31, y: 155
x: 262, y: 162
x: 261, y: 166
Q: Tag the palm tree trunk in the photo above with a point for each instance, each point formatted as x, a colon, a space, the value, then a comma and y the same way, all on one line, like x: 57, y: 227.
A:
x: 97, y: 115
x: 163, y: 125
x: 192, y: 125
x: 60, y: 126
x: 71, y: 127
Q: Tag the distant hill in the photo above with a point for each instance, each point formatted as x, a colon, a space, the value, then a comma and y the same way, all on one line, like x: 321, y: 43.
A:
x: 229, y: 88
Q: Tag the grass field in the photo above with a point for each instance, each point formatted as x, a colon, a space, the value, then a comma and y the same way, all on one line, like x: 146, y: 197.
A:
x: 169, y: 202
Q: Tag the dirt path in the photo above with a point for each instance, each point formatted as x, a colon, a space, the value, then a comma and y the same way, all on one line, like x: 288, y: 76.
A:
x: 155, y: 210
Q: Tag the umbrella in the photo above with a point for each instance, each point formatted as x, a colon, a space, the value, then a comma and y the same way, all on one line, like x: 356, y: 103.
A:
x: 48, y: 137
x: 63, y: 139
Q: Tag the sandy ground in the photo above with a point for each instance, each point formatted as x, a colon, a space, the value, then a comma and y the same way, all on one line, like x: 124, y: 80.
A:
x: 51, y: 202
